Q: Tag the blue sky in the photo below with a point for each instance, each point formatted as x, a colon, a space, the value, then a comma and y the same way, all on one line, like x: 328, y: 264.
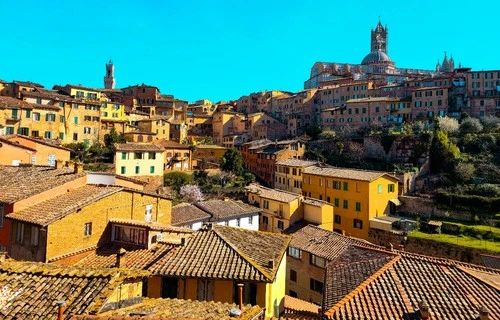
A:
x: 221, y: 50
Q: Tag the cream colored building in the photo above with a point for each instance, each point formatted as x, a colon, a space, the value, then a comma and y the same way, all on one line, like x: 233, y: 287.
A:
x: 139, y: 159
x: 288, y: 174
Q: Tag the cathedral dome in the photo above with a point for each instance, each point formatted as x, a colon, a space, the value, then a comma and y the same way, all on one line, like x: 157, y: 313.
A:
x: 376, y: 57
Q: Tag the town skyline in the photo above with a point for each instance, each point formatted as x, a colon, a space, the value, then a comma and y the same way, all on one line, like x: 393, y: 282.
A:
x: 267, y: 54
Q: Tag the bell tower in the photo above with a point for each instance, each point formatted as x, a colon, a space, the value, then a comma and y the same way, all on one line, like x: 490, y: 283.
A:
x: 380, y: 38
x: 109, y: 78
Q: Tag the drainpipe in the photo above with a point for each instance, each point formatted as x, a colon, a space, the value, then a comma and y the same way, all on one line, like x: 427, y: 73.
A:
x: 240, y: 297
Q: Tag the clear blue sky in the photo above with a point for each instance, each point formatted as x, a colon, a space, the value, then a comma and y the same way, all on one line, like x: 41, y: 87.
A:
x: 221, y: 50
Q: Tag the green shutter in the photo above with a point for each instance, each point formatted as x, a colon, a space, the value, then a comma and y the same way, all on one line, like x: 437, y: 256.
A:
x: 152, y: 169
x: 346, y: 185
x: 123, y: 170
x: 137, y: 169
x: 124, y: 155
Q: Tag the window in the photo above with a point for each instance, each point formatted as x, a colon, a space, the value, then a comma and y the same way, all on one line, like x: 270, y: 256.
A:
x: 20, y: 233
x: 87, y: 229
x: 281, y: 225
x: 61, y: 135
x: 130, y: 235
x: 317, y: 261
x: 294, y: 252
x: 336, y: 185
x: 137, y: 155
x: 123, y: 170
x: 28, y: 114
x: 148, y: 214
x: 336, y: 202
x: 266, y: 204
x: 152, y: 169
x: 293, y: 275
x: 292, y: 293
x: 86, y: 130
x: 346, y: 186
x: 391, y: 187
x: 48, y: 134
x: 152, y: 155
x: 23, y: 131
x: 379, y: 188
x: 36, y: 116
x: 34, y: 133
x: 345, y: 204
x: 137, y: 169
x: 316, y: 285
x: 124, y: 155
x: 265, y: 220
x: 75, y: 136
x: 337, y: 219
x: 250, y: 221
x: 50, y: 117
x: 75, y: 120
x: 34, y: 236
x: 358, y: 206
x: 358, y: 224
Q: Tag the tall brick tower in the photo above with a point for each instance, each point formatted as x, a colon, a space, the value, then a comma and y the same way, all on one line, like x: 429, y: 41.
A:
x: 380, y: 38
x: 109, y: 78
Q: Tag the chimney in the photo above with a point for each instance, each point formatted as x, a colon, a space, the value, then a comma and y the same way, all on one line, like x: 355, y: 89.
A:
x: 78, y: 167
x: 60, y: 309
x: 343, y: 232
x: 120, y: 258
x: 59, y: 164
x: 401, y: 247
x: 390, y: 247
x: 226, y: 199
x: 183, y: 242
x: 3, y: 256
x: 484, y: 314
x: 423, y: 309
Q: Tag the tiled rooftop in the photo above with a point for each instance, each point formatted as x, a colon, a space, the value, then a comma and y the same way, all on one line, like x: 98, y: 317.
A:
x: 452, y: 289
x: 273, y: 194
x: 13, y: 103
x: 153, y: 225
x: 347, y: 173
x: 226, y: 253
x: 225, y: 209
x: 56, y: 208
x: 209, y: 146
x: 136, y: 257
x: 491, y: 261
x: 40, y: 285
x: 169, y: 144
x: 323, y: 243
x: 21, y: 182
x: 155, y: 309
x: 138, y: 147
x: 3, y: 139
x: 296, y: 163
x: 185, y: 213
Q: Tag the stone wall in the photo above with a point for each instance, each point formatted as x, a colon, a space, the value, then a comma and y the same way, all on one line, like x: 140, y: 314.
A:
x: 426, y: 246
x: 427, y: 208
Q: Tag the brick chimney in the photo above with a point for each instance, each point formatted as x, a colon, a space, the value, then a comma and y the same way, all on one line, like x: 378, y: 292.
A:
x: 423, y: 309
x: 120, y: 258
x: 78, y: 167
x: 60, y: 309
x: 484, y: 314
x: 240, y: 297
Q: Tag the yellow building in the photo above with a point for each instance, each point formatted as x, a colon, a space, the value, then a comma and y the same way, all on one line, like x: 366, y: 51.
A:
x: 216, y: 259
x: 139, y: 159
x: 281, y: 209
x: 177, y: 155
x: 210, y: 152
x: 158, y: 125
x: 358, y: 195
x: 112, y: 111
x: 227, y: 123
x: 288, y: 174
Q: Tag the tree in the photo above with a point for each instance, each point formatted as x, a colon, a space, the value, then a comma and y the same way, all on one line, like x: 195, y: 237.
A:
x: 464, y: 171
x: 111, y: 138
x: 232, y: 161
x: 491, y: 124
x: 470, y: 125
x: 176, y: 179
x: 327, y: 134
x: 206, y: 140
x: 191, y: 193
x: 448, y: 125
x: 443, y: 153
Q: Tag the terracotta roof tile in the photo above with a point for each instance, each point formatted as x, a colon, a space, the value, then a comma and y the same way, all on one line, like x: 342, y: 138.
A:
x: 21, y: 182
x: 225, y: 209
x: 347, y: 173
x: 151, y: 225
x: 296, y: 163
x: 491, y: 261
x: 56, y: 208
x: 169, y: 144
x: 175, y: 309
x: 272, y: 194
x: 220, y: 252
x: 39, y: 286
x: 185, y: 213
x: 138, y: 147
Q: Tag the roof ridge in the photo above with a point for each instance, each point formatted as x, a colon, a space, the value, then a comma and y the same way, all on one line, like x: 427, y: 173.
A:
x: 331, y: 312
x: 468, y: 271
x: 244, y: 256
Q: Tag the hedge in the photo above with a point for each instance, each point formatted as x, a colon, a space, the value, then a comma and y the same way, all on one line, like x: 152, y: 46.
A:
x: 486, y: 205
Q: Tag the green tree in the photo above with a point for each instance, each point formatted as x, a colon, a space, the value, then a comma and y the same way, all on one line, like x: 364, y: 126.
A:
x: 470, y: 125
x: 443, y: 153
x: 206, y: 140
x: 176, y: 179
x: 111, y: 138
x: 232, y: 161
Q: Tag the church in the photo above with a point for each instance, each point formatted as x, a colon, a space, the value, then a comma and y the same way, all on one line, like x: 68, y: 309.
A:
x: 376, y: 65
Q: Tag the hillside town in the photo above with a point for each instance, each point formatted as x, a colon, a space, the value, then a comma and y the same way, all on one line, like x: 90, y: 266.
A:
x: 373, y: 193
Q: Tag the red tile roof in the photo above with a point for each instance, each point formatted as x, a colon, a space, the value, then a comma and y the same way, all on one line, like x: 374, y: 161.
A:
x: 226, y: 209
x: 35, y: 287
x: 452, y: 289
x: 22, y: 182
x: 227, y: 253
x: 186, y: 213
x: 56, y: 208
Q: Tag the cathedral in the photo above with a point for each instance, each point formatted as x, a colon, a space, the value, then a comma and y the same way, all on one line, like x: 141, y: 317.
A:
x: 375, y: 65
